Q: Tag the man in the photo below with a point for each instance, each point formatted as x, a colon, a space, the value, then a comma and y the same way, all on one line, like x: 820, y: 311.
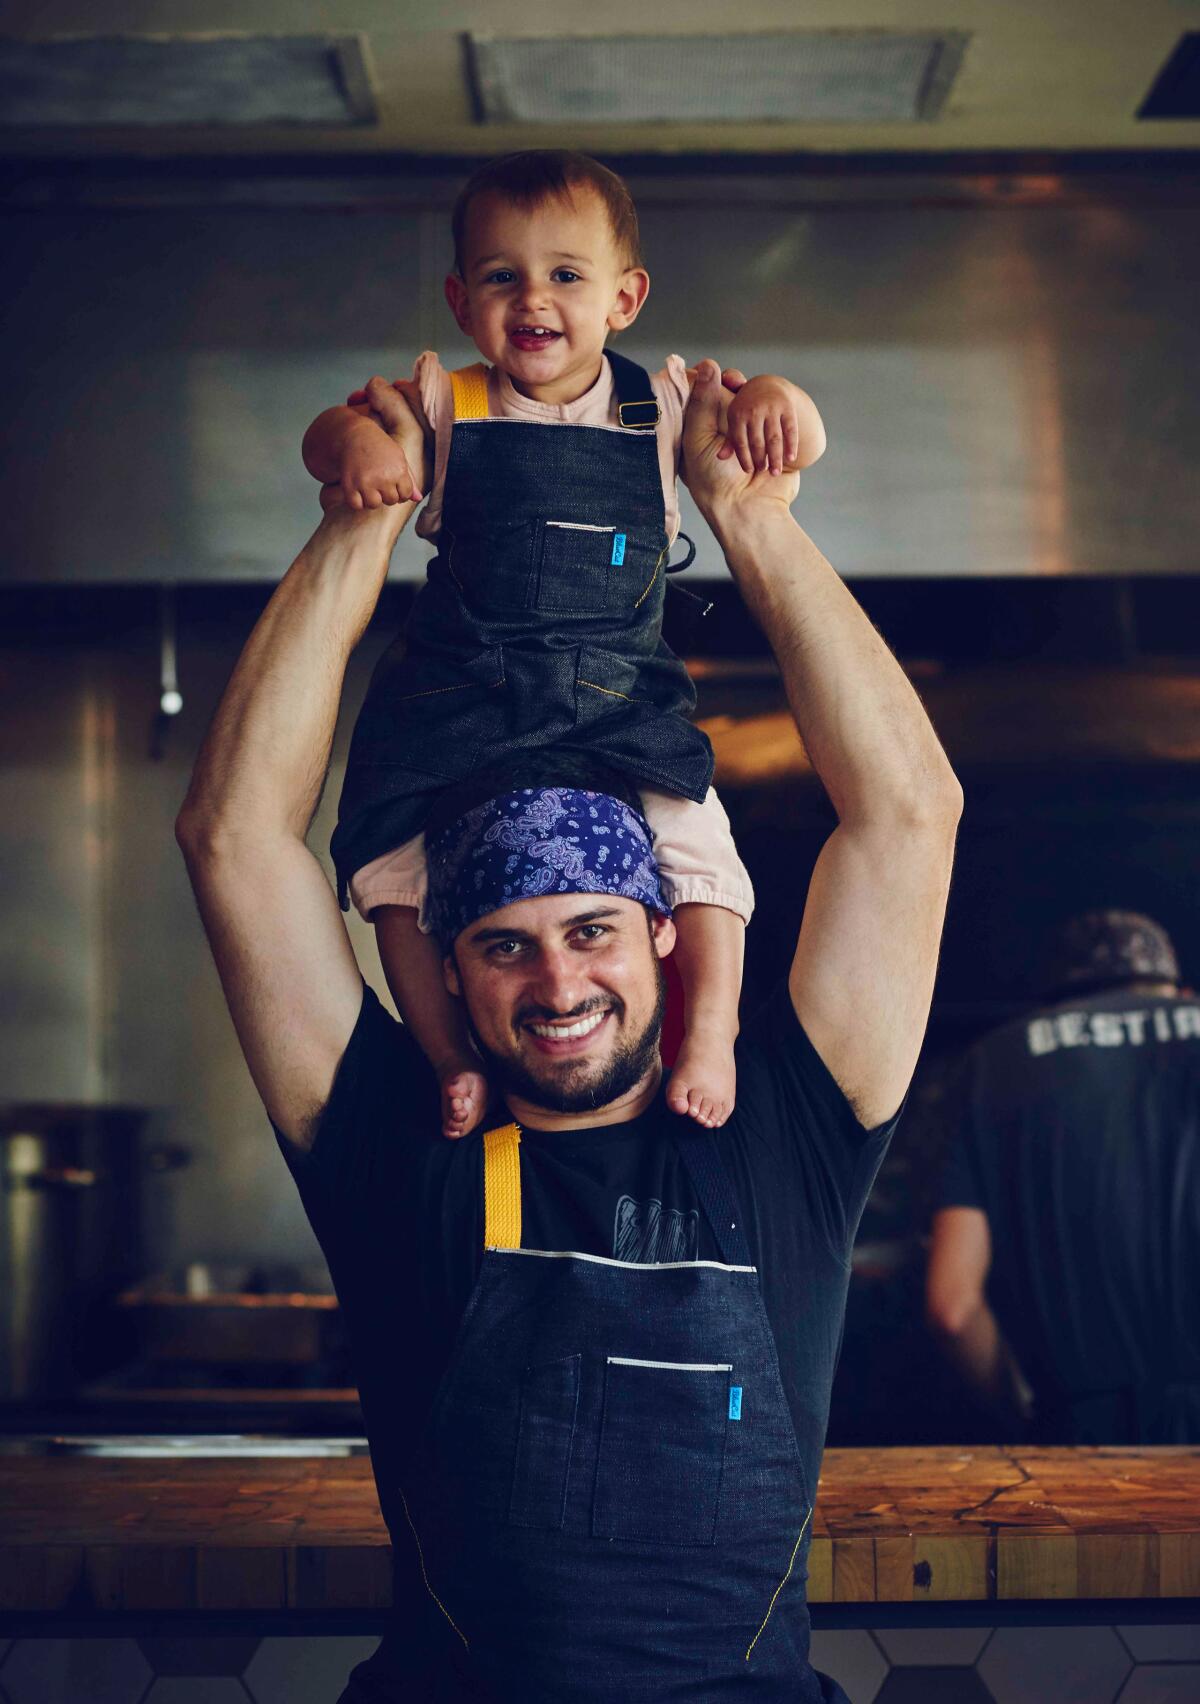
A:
x: 596, y: 1443
x: 1065, y: 1250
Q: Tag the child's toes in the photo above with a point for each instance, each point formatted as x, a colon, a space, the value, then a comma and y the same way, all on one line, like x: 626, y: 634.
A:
x: 462, y: 1102
x: 698, y: 1105
x: 678, y: 1097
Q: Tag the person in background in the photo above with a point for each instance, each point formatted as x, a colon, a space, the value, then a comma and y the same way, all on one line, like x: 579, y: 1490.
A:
x: 1065, y: 1262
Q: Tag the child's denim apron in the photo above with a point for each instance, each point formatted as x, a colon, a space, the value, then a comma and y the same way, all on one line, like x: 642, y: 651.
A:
x: 609, y: 1502
x: 540, y: 623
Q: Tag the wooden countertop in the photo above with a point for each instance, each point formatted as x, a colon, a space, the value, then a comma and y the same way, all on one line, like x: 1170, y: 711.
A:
x: 891, y: 1526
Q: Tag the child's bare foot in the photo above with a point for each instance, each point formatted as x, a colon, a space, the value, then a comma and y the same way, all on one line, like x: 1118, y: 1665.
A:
x: 704, y: 1080
x: 464, y: 1098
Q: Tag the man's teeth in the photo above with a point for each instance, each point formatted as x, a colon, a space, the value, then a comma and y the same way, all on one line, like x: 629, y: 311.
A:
x: 563, y: 1032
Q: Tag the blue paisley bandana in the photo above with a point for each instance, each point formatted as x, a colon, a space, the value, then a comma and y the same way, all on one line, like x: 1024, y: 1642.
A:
x: 539, y: 840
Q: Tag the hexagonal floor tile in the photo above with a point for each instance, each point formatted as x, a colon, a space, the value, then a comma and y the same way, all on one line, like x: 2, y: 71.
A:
x: 933, y: 1686
x: 853, y: 1660
x: 1179, y: 1644
x: 201, y: 1689
x: 1054, y: 1665
x: 303, y: 1670
x: 76, y: 1671
x: 198, y: 1655
x: 1172, y: 1683
x: 932, y: 1647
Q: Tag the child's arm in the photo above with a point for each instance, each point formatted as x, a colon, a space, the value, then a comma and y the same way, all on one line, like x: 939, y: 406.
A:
x: 346, y: 446
x: 772, y: 424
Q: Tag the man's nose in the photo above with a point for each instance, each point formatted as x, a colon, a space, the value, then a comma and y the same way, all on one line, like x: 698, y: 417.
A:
x: 558, y: 984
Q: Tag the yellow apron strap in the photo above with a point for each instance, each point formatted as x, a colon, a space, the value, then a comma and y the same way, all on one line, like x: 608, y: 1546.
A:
x: 469, y: 385
x: 502, y: 1187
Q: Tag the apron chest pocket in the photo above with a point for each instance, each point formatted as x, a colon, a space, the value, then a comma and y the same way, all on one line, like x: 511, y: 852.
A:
x: 545, y: 1434
x: 662, y: 1450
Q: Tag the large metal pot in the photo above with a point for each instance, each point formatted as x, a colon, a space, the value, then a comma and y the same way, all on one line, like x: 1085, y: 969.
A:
x: 70, y: 1238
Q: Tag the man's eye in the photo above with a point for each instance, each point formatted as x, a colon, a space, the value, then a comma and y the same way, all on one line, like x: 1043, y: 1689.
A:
x: 592, y: 931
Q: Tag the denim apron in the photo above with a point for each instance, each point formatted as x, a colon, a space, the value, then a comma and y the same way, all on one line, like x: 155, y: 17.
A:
x: 608, y: 1502
x: 539, y: 625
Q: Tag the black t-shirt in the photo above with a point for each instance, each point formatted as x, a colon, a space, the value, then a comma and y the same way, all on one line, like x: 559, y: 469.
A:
x: 399, y: 1213
x: 1077, y: 1132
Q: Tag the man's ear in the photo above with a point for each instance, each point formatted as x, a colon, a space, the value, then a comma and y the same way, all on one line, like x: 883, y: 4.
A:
x: 460, y: 306
x: 632, y: 290
x: 450, y: 975
x: 662, y: 933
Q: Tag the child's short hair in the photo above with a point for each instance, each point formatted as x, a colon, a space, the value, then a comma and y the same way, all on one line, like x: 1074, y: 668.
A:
x: 536, y: 174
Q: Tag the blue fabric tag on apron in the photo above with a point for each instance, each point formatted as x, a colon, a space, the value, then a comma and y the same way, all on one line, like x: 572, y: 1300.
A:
x: 618, y: 555
x: 735, y: 1402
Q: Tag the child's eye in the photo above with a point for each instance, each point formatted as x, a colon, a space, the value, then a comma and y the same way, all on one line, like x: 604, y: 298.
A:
x: 564, y: 275
x: 501, y: 276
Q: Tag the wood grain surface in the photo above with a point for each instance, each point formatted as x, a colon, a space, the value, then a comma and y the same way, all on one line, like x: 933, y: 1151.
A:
x: 891, y: 1525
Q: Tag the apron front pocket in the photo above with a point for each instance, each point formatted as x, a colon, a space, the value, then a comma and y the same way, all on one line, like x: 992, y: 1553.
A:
x: 545, y: 1435
x: 662, y: 1451
x: 433, y: 712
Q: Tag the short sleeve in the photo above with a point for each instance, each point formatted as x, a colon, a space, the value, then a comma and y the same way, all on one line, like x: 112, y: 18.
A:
x: 672, y: 390
x: 432, y: 381
x: 961, y: 1182
x: 384, y: 1095
x: 793, y: 1104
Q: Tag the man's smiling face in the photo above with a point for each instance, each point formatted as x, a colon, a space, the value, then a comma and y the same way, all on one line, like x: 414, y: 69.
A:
x: 565, y: 996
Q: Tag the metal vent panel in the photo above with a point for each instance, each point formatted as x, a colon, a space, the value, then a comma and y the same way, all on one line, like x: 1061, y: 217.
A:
x: 215, y: 80
x: 801, y: 77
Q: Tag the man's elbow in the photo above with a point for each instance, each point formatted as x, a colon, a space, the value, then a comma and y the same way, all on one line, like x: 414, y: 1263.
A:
x: 949, y: 1315
x: 928, y: 802
x: 202, y: 838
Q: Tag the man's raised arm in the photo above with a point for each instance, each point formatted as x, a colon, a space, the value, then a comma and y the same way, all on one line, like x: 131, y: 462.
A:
x: 276, y: 932
x: 862, y: 977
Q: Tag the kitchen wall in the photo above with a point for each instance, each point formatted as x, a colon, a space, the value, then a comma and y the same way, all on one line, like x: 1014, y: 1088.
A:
x: 107, y: 990
x: 1008, y: 388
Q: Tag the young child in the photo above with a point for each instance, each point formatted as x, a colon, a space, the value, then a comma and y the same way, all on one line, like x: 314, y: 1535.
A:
x: 553, y: 506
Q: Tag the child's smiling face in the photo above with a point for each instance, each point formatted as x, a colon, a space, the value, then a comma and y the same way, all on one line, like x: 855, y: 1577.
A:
x: 541, y: 288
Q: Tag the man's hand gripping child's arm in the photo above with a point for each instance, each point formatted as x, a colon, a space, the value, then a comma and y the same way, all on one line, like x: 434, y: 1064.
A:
x: 771, y: 425
x: 349, y: 447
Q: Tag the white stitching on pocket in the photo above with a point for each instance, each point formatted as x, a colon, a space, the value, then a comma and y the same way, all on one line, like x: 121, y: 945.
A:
x: 674, y: 1366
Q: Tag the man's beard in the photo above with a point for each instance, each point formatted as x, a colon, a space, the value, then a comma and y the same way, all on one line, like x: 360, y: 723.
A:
x: 627, y: 1065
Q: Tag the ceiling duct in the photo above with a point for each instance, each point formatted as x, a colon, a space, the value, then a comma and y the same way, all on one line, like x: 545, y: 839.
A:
x: 797, y: 77
x: 100, y: 81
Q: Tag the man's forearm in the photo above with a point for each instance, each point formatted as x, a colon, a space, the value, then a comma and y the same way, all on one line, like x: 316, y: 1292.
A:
x: 983, y: 1357
x: 862, y: 725
x: 263, y: 763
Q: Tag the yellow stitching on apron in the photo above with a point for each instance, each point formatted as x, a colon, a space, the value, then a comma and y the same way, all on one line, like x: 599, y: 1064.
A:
x: 781, y: 1585
x: 425, y: 1576
x: 502, y: 1187
x: 653, y: 576
x: 606, y: 689
x: 468, y: 386
x: 432, y: 691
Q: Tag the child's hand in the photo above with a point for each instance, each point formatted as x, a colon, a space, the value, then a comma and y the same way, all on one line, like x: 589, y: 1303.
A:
x: 375, y: 470
x: 765, y: 427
